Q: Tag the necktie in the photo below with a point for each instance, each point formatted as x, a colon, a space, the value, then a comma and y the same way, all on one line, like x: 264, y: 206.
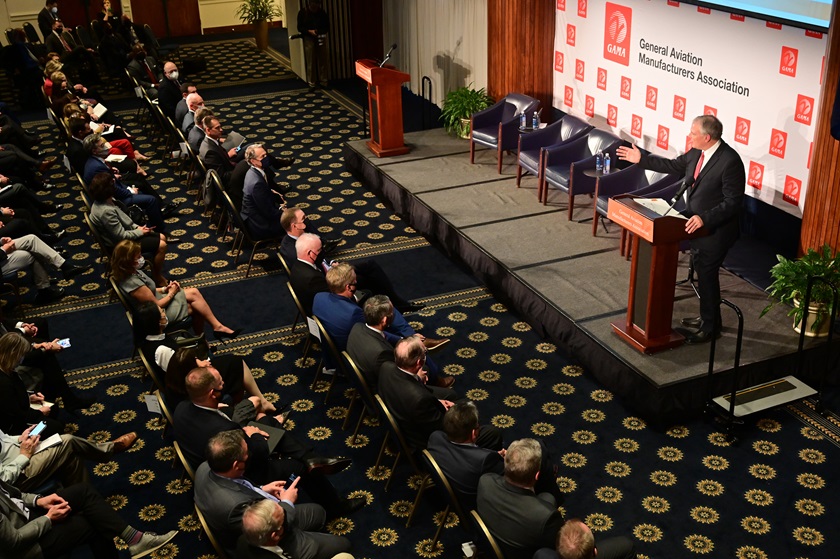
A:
x: 699, y: 165
x: 152, y: 77
x: 64, y: 43
x: 245, y: 483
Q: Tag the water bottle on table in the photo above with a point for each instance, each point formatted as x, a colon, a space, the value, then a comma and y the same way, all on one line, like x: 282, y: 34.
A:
x: 599, y: 161
x: 607, y: 163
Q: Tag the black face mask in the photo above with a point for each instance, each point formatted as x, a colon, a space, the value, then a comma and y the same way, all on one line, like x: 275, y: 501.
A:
x: 141, y: 57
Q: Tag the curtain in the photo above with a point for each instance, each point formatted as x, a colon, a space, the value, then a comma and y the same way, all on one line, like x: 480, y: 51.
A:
x: 445, y: 40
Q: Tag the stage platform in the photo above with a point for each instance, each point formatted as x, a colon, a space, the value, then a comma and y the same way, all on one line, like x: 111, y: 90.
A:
x: 568, y: 284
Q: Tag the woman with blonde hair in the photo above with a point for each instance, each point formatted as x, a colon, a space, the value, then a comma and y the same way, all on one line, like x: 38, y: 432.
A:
x: 179, y: 303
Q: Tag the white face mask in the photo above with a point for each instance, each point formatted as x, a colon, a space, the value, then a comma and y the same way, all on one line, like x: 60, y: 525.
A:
x: 173, y: 75
x: 141, y: 262
x: 54, y: 9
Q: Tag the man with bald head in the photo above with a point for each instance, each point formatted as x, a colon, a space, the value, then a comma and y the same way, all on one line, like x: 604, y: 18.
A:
x: 194, y: 102
x: 169, y: 90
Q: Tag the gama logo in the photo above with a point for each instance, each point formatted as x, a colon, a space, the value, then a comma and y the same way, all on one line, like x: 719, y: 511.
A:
x: 582, y: 7
x: 580, y: 66
x: 778, y: 143
x: 618, y: 20
x: 636, y: 126
x: 651, y: 96
x: 558, y: 61
x: 804, y: 109
x: 569, y: 96
x: 793, y: 187
x: 742, y: 130
x: 679, y: 108
x: 755, y: 177
x: 602, y: 79
x: 662, y: 137
x: 612, y: 115
x: 571, y: 33
x: 787, y: 64
x: 589, y: 106
x: 626, y: 86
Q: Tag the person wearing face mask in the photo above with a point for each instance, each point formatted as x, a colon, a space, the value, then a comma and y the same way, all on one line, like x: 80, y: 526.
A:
x: 144, y: 69
x: 113, y: 225
x: 259, y: 208
x: 194, y: 102
x: 179, y: 303
x: 169, y: 90
x: 47, y: 17
x: 72, y: 55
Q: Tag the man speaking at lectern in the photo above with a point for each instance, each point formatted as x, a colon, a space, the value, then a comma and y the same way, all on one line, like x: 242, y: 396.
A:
x: 713, y: 202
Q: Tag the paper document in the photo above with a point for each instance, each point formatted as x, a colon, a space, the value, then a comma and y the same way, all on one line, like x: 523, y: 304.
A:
x: 659, y: 206
x: 234, y: 139
x: 99, y: 110
x: 115, y: 158
x: 43, y: 404
x: 48, y: 442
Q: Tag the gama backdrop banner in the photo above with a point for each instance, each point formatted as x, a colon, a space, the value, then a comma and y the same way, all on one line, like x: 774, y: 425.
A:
x: 645, y: 69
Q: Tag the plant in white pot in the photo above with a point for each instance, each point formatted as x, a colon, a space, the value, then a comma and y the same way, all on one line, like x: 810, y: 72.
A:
x: 258, y: 13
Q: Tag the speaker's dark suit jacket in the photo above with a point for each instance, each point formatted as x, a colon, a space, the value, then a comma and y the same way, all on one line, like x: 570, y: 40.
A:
x: 369, y: 350
x: 307, y: 282
x: 463, y: 465
x: 520, y: 521
x: 416, y: 409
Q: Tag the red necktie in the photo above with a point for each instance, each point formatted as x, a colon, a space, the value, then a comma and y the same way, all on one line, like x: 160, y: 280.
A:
x: 699, y: 165
x: 65, y: 44
x: 152, y: 76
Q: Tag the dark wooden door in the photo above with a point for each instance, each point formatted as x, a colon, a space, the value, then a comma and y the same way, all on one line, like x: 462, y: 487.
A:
x: 168, y: 18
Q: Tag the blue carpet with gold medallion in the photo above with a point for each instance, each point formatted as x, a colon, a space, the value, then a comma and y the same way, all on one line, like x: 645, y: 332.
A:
x: 682, y: 492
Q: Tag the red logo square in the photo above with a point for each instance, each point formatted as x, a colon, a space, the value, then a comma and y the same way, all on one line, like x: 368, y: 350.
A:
x: 813, y: 34
x: 673, y: 3
x: 571, y: 33
x: 582, y: 8
x: 787, y: 64
x: 742, y: 130
x: 558, y: 61
x: 707, y: 110
x: 662, y: 137
x: 755, y: 178
x: 569, y: 96
x: 773, y: 25
x: 778, y: 143
x: 561, y: 5
x: 636, y: 126
x: 589, y: 107
x: 792, y: 189
x: 579, y: 67
x: 679, y: 107
x: 602, y: 79
x: 612, y: 115
x: 701, y: 10
x: 626, y: 84
x: 617, y: 23
x: 736, y: 17
x: 804, y: 109
x: 651, y: 97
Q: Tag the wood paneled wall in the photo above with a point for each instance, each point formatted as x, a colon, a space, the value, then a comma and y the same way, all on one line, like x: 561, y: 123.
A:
x: 821, y: 218
x: 520, y: 49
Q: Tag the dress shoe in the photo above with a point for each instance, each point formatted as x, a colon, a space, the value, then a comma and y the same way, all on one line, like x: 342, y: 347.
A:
x: 73, y: 402
x: 121, y: 444
x: 347, y: 507
x: 327, y: 466
x: 169, y: 209
x: 329, y: 244
x: 411, y: 307
x: 46, y: 164
x: 222, y: 336
x: 281, y: 162
x: 48, y: 186
x: 701, y: 337
x: 432, y: 343
x: 49, y: 208
x: 173, y: 240
x: 443, y: 382
x: 150, y: 542
x: 68, y: 270
x: 49, y: 295
x: 692, y: 321
x: 60, y: 235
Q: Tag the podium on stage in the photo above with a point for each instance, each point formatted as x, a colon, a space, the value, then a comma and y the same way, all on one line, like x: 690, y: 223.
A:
x: 653, y: 273
x: 385, y: 104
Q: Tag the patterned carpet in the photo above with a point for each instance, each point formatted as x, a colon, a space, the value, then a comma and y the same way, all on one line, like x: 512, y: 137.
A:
x: 683, y: 492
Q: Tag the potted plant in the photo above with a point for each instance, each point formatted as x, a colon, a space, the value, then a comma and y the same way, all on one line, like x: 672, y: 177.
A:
x: 790, y: 281
x: 459, y: 105
x: 258, y: 13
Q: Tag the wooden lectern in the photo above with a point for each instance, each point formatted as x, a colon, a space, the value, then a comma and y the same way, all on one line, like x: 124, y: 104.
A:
x: 653, y: 274
x: 385, y: 104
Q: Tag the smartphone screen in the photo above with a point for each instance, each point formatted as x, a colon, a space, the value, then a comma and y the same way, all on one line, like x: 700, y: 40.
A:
x: 38, y: 429
x: 65, y: 343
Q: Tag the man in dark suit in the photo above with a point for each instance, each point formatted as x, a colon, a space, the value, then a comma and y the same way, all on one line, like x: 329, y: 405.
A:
x: 222, y: 491
x: 214, y: 155
x: 197, y: 134
x: 520, y: 520
x: 576, y: 541
x: 72, y: 55
x: 419, y: 411
x: 196, y: 420
x: 181, y: 108
x: 259, y: 202
x: 713, y: 204
x: 144, y: 69
x: 35, y: 526
x: 194, y: 101
x: 47, y: 17
x: 169, y: 90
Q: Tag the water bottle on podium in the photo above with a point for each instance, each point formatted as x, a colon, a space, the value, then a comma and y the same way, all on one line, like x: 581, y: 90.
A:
x: 599, y: 161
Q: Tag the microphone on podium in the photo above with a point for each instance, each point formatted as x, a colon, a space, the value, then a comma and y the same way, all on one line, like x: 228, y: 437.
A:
x: 686, y: 184
x: 388, y: 56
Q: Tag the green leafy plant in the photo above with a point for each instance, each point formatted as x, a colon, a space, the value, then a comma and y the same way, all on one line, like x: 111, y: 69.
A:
x: 251, y: 11
x: 790, y: 281
x: 460, y: 104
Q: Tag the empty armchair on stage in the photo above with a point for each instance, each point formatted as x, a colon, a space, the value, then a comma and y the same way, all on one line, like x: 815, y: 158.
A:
x: 497, y: 127
x: 632, y: 180
x: 563, y: 166
x: 531, y: 145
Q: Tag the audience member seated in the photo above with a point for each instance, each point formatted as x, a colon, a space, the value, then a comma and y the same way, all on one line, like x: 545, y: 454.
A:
x: 23, y: 252
x: 113, y: 225
x: 144, y: 69
x: 197, y: 134
x: 197, y: 420
x: 169, y: 90
x: 418, y: 410
x: 213, y: 154
x: 76, y: 57
x: 79, y: 128
x: 13, y: 133
x: 259, y: 205
x: 338, y: 309
x: 176, y: 362
x: 222, y: 491
x: 19, y: 222
x: 520, y: 520
x: 63, y: 93
x: 181, y: 108
x: 193, y: 102
x: 126, y: 266
x: 27, y: 470
x: 272, y: 528
x: 575, y: 541
x: 17, y: 396
x: 53, y: 525
x: 369, y: 347
x: 18, y: 167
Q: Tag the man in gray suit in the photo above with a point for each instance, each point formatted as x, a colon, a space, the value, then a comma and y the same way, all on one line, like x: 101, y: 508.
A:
x: 221, y: 493
x: 35, y: 526
x: 521, y: 520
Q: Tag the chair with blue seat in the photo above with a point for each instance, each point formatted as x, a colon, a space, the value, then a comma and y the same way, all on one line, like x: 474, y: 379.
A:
x: 497, y: 127
x: 632, y: 180
x: 531, y: 145
x: 563, y: 166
